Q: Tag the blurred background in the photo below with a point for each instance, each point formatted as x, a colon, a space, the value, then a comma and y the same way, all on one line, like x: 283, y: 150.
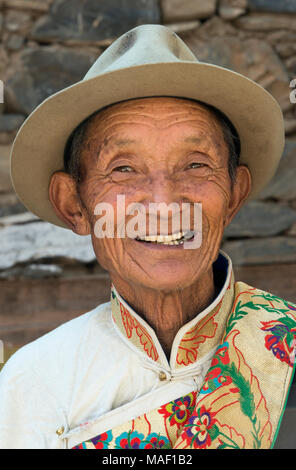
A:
x: 48, y: 275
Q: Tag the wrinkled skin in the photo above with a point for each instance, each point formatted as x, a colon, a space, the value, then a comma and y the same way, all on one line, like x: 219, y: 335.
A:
x: 155, y: 150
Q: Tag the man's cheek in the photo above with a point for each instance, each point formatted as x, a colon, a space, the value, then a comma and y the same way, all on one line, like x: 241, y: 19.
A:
x: 222, y: 189
x: 212, y: 227
x: 109, y: 252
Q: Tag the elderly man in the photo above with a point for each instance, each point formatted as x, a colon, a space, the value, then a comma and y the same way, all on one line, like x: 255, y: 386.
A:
x: 183, y: 356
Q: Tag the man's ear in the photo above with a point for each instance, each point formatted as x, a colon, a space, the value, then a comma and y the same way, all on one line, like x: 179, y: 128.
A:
x: 67, y: 204
x: 240, y: 191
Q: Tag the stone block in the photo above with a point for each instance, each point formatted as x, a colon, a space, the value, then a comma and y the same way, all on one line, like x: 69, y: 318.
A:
x: 20, y: 218
x: 7, y: 137
x: 93, y: 21
x: 283, y: 184
x: 291, y: 65
x: 5, y: 181
x: 286, y: 49
x: 36, y: 241
x: 292, y: 231
x: 174, y: 10
x: 231, y: 9
x: 32, y: 271
x: 14, y: 42
x: 261, y: 250
x: 266, y: 22
x: 4, y: 62
x: 33, y: 5
x: 290, y: 126
x: 40, y: 72
x: 278, y: 6
x: 214, y: 27
x: 17, y: 21
x: 185, y: 26
x: 9, y: 203
x: 11, y: 122
x: 261, y: 219
x: 253, y: 58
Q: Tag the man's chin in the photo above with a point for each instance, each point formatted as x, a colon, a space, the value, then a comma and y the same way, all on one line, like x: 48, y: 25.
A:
x: 166, y: 280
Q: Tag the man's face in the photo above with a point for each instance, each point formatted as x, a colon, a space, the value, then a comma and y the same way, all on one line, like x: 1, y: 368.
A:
x: 156, y: 150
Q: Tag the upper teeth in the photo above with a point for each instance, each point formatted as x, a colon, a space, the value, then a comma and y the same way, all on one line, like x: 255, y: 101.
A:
x: 166, y: 238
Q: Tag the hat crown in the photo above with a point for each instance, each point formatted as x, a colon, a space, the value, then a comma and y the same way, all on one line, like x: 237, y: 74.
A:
x: 145, y: 44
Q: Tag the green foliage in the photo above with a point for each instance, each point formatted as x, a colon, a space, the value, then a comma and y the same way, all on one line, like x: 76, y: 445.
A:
x: 246, y: 399
x: 239, y: 313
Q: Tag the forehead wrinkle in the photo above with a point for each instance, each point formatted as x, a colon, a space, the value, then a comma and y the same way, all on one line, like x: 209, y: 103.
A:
x: 151, y: 115
x: 111, y: 125
x: 144, y: 112
x: 167, y: 102
x: 204, y: 124
x: 107, y: 143
x: 136, y: 109
x: 173, y: 108
x: 169, y: 105
x: 105, y: 129
x: 153, y: 122
x: 93, y: 135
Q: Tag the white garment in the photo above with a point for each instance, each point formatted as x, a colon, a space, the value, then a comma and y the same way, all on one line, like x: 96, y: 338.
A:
x: 84, y: 378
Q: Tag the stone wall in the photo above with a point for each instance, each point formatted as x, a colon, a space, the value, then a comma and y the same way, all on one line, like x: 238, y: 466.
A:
x: 47, y: 45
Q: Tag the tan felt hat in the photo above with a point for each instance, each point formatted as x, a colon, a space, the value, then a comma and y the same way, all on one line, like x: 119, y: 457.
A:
x: 149, y: 60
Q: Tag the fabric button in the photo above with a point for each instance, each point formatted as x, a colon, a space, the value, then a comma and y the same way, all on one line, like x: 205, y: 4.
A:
x: 60, y: 430
x: 162, y: 376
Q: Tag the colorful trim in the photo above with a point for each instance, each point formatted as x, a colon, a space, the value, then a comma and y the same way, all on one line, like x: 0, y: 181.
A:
x: 239, y: 404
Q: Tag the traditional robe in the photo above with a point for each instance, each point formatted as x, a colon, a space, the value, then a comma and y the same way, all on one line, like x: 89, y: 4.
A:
x: 102, y: 380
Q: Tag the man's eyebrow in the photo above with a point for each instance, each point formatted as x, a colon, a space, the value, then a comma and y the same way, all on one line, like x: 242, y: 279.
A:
x: 120, y: 142
x: 207, y: 141
x: 117, y: 142
x: 195, y: 140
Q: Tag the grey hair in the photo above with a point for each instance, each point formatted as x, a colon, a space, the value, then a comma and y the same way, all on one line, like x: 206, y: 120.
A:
x: 75, y: 142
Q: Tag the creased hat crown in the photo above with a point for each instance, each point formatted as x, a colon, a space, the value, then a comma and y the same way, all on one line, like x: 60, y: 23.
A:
x: 136, y: 47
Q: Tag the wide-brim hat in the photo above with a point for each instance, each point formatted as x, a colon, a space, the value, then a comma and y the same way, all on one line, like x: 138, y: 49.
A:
x: 149, y: 60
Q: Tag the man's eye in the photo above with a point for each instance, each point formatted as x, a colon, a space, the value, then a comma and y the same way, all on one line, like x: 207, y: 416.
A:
x: 195, y: 165
x: 123, y: 169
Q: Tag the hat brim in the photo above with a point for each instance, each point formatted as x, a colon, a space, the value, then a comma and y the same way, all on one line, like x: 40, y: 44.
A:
x: 38, y: 148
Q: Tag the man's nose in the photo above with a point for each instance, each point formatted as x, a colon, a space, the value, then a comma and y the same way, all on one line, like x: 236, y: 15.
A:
x: 163, y: 189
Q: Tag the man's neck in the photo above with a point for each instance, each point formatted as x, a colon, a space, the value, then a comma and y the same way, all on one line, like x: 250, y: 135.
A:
x: 167, y: 312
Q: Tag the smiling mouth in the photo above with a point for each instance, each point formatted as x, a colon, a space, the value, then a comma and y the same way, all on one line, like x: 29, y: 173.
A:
x: 174, y: 239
